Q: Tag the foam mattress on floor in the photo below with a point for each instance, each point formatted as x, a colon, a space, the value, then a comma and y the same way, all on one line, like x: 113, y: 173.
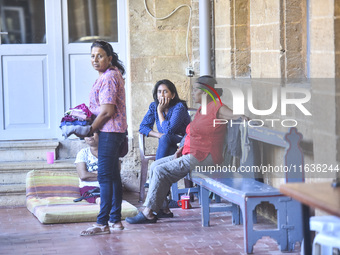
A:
x: 50, y: 195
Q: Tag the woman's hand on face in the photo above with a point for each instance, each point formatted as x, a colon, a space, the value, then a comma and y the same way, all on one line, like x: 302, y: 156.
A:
x: 163, y: 103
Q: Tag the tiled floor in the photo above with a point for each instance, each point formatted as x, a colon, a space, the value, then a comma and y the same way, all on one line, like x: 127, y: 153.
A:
x: 22, y: 233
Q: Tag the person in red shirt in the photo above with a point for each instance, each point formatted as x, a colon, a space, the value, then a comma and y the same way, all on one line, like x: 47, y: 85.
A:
x: 203, y: 146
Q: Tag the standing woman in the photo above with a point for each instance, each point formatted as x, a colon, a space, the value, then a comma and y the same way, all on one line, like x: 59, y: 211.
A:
x: 107, y: 102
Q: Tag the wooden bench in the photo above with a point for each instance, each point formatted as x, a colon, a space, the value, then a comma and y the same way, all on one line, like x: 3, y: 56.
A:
x: 246, y: 193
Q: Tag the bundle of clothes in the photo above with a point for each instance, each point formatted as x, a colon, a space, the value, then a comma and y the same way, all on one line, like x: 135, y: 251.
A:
x: 77, y: 120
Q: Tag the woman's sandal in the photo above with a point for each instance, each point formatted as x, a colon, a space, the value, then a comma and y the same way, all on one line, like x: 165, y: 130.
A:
x: 96, y: 230
x: 116, y: 227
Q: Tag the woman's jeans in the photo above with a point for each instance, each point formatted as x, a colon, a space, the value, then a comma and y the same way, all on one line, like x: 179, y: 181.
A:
x: 109, y: 179
x: 167, y: 145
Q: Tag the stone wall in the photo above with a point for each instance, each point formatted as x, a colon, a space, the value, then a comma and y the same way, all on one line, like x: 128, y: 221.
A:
x: 324, y: 64
x: 268, y: 39
x: 157, y: 51
x: 265, y: 40
x: 223, y: 42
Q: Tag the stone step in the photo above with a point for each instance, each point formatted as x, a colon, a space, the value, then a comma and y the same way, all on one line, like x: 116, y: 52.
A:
x: 15, y: 172
x: 69, y: 148
x: 37, y: 164
x: 13, y: 178
x: 12, y: 199
x: 17, y: 158
x: 13, y: 194
x: 21, y: 150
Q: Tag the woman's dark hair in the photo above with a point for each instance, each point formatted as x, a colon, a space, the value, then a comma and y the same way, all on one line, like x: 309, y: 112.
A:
x: 109, y: 51
x: 172, y: 89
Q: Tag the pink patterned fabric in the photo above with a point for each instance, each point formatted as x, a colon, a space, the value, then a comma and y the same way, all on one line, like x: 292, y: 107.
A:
x: 84, y: 108
x: 70, y: 117
x: 85, y: 189
x: 109, y: 89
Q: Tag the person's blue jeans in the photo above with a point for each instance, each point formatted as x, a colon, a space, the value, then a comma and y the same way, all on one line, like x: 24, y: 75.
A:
x: 109, y: 179
x: 167, y: 145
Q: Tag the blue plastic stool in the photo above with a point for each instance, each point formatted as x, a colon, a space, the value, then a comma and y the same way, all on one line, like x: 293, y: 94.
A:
x: 328, y: 228
x: 327, y: 239
x: 324, y: 223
